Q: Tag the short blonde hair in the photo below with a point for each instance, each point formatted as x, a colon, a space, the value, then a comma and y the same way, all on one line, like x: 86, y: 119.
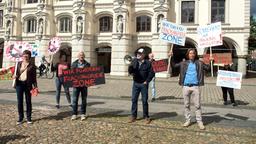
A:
x: 80, y: 52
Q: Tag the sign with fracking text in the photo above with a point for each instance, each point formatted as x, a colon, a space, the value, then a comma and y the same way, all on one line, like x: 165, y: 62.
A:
x: 229, y: 79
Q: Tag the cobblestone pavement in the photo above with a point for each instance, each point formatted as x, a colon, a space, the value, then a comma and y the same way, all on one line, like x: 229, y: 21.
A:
x: 104, y: 126
x: 166, y: 89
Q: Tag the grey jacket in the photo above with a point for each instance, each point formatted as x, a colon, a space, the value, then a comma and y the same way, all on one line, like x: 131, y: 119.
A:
x: 200, y: 67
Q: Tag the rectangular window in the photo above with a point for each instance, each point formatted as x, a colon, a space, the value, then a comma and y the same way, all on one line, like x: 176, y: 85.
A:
x: 1, y: 18
x: 32, y: 1
x: 188, y: 12
x: 218, y: 11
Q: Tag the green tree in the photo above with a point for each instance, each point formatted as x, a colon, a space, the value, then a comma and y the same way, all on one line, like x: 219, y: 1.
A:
x: 252, y: 38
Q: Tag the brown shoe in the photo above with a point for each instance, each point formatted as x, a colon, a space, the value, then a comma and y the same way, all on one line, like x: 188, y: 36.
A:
x: 132, y: 120
x: 148, y: 120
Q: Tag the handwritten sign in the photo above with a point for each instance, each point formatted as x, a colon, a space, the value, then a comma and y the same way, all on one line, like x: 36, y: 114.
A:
x: 210, y: 35
x: 54, y: 45
x: 14, y: 50
x: 219, y: 58
x: 229, y: 79
x: 6, y: 73
x: 84, y: 77
x: 160, y: 65
x: 173, y: 33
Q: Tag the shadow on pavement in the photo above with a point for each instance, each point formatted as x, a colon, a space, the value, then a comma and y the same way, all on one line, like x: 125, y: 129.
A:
x: 239, y: 102
x: 213, y: 119
x: 110, y: 114
x: 236, y: 116
x: 94, y: 103
x: 6, y: 139
x: 162, y: 115
x: 58, y: 117
x: 167, y: 97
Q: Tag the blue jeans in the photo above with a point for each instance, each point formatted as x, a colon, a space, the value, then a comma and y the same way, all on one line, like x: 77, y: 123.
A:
x: 22, y: 88
x: 76, y: 92
x: 136, y: 90
x: 59, y: 83
x: 153, y: 87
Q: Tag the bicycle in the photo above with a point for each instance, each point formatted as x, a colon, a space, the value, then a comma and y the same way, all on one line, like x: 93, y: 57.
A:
x: 47, y: 73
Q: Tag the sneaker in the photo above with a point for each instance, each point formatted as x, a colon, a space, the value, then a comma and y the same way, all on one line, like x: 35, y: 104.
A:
x: 153, y: 99
x: 19, y: 122
x: 225, y: 103
x: 201, y: 125
x: 57, y: 106
x: 83, y: 117
x: 186, y: 124
x: 148, y: 120
x: 132, y: 119
x: 73, y: 117
x: 234, y: 104
x: 29, y: 122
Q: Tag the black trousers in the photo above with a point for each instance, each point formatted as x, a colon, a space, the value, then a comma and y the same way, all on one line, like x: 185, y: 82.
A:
x: 225, y: 92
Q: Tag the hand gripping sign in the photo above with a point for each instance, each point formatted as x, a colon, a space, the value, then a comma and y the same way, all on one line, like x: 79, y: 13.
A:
x: 54, y: 45
x: 14, y: 50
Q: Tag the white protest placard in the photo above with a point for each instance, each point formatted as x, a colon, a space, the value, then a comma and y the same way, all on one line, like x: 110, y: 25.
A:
x: 229, y: 79
x: 54, y: 45
x: 173, y: 33
x: 210, y: 35
x: 14, y: 50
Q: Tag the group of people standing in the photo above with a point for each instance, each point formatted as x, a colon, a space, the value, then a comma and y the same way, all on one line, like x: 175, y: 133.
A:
x: 191, y: 78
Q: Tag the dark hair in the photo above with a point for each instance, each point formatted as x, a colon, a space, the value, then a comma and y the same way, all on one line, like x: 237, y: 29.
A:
x: 192, y: 49
x: 27, y: 52
x: 61, y: 55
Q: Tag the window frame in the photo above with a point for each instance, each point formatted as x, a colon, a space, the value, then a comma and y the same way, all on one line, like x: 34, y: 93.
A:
x: 218, y: 8
x: 143, y: 23
x: 194, y: 13
x: 31, y: 25
x: 105, y: 24
x: 67, y: 24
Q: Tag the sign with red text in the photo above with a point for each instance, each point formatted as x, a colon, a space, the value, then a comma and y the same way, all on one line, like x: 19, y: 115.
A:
x: 210, y: 35
x: 219, y: 58
x: 84, y: 77
x: 160, y: 65
x: 14, y: 50
x: 173, y: 33
x: 229, y: 79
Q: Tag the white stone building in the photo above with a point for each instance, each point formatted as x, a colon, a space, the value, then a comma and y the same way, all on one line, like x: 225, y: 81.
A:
x: 107, y: 30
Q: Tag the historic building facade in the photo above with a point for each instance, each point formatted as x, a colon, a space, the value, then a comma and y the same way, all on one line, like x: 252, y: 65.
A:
x: 107, y: 30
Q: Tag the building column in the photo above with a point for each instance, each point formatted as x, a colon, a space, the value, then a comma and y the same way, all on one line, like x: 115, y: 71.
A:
x: 242, y: 65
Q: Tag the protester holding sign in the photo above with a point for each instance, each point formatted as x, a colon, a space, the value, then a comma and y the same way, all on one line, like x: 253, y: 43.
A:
x: 59, y: 67
x: 191, y: 78
x: 80, y: 63
x: 152, y: 83
x: 226, y: 90
x: 25, y: 81
x: 142, y: 72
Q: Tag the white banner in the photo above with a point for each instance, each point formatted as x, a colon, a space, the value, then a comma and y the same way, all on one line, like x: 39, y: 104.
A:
x: 229, y: 79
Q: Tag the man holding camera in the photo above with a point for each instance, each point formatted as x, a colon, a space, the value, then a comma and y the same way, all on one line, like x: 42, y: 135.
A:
x: 142, y: 73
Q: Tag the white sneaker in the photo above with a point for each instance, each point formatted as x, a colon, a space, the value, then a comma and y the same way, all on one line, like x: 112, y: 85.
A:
x: 83, y: 117
x: 73, y: 117
x: 186, y: 124
x: 201, y: 125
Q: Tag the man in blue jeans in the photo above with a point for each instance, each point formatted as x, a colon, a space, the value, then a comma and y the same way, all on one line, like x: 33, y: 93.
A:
x: 143, y: 73
x: 80, y: 63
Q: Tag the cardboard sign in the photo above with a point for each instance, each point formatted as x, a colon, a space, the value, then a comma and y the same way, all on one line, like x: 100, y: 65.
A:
x: 229, y: 79
x: 219, y: 58
x: 160, y: 65
x: 210, y: 35
x: 81, y: 77
x: 173, y: 33
x: 54, y: 45
x: 14, y: 50
x: 6, y: 74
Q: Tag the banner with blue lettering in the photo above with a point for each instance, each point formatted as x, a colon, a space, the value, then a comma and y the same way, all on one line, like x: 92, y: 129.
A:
x: 173, y: 33
x: 229, y: 79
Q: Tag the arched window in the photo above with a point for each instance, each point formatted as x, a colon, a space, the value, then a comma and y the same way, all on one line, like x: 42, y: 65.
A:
x: 65, y: 25
x: 143, y: 24
x: 106, y: 24
x: 31, y: 25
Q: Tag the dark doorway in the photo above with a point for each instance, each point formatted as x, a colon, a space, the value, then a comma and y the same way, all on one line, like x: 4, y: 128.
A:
x: 104, y: 58
x: 1, y: 52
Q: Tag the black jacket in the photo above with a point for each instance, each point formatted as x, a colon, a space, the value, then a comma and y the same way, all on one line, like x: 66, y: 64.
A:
x: 75, y: 64
x: 200, y: 67
x: 142, y: 74
x: 31, y: 74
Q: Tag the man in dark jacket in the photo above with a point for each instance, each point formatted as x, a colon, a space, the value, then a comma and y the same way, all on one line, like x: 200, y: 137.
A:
x: 143, y: 73
x: 191, y: 78
x: 80, y: 63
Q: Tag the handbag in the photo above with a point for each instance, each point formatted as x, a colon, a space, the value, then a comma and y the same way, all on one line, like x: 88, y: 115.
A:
x: 34, y: 92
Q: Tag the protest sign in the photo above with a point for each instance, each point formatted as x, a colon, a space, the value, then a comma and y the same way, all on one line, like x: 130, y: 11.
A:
x: 219, y: 58
x: 210, y: 35
x: 160, y: 65
x: 54, y: 45
x: 14, y: 50
x: 6, y: 74
x: 173, y: 33
x: 35, y: 50
x: 229, y: 79
x: 80, y: 77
